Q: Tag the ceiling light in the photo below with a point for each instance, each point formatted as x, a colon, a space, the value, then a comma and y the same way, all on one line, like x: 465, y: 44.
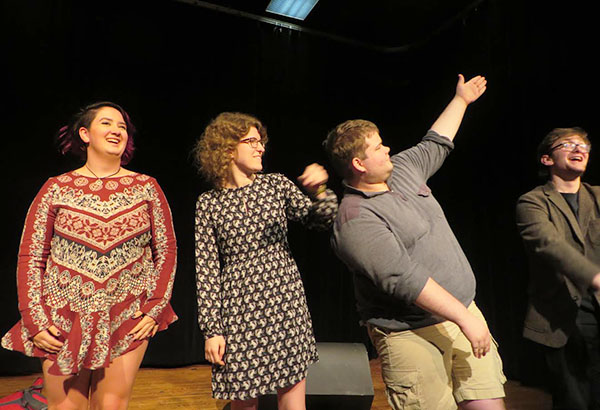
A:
x: 297, y: 9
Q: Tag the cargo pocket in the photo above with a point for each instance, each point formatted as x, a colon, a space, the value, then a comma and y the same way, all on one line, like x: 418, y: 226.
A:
x: 402, y: 389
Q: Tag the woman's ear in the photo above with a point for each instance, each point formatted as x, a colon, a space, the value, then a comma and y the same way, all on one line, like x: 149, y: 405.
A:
x: 84, y: 135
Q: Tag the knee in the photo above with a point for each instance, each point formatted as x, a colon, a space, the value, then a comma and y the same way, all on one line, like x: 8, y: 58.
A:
x: 66, y: 406
x: 66, y: 402
x: 484, y: 404
x: 109, y: 402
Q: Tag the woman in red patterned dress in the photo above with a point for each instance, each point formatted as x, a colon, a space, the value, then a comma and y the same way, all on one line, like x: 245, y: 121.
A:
x: 96, y: 266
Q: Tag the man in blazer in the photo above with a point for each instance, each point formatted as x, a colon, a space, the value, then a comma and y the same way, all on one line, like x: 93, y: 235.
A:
x: 559, y: 223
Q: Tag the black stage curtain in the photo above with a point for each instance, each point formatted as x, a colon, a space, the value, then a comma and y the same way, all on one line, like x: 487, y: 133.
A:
x: 174, y: 66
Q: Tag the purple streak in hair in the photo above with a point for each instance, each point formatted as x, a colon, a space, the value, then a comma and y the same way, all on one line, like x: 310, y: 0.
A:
x: 64, y: 144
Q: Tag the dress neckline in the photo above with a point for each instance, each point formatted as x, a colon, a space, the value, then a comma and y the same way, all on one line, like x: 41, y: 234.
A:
x: 74, y: 172
x: 239, y: 188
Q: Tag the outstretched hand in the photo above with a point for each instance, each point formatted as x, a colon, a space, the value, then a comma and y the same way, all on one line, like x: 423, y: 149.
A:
x: 471, y: 90
x: 48, y: 340
x: 313, y: 177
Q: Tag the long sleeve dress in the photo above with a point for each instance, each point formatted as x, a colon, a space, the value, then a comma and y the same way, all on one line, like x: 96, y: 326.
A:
x: 248, y: 285
x: 93, y: 252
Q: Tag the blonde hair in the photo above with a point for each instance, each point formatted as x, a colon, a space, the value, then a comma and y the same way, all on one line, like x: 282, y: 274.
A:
x: 214, y: 149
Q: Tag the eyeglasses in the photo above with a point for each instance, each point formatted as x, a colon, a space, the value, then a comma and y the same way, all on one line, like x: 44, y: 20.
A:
x: 570, y: 146
x: 253, y: 142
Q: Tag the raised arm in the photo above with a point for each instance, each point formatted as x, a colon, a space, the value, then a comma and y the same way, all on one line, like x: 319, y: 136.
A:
x: 449, y: 120
x: 313, y: 179
x: 315, y: 212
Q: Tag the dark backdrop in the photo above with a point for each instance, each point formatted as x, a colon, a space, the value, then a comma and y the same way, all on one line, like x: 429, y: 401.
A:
x: 174, y: 67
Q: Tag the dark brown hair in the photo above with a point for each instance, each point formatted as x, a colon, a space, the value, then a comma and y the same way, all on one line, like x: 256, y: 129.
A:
x: 68, y: 138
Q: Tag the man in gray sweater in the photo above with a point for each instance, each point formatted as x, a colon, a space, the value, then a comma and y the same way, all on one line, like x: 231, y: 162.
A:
x: 413, y: 283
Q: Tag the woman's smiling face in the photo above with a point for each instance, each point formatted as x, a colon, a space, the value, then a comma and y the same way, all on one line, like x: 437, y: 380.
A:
x: 107, y: 133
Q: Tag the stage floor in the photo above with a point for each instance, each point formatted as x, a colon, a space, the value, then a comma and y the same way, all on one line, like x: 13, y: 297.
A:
x: 189, y: 388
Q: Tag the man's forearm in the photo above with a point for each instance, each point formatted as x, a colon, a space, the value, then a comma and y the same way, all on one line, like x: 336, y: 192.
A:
x: 437, y: 300
x: 440, y: 302
x: 449, y: 121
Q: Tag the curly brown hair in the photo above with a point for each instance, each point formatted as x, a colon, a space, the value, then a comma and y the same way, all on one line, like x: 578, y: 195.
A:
x: 214, y: 149
x: 347, y: 141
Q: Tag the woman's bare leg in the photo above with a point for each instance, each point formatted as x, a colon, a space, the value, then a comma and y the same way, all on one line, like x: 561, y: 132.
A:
x: 292, y: 397
x: 111, y: 387
x: 66, y: 392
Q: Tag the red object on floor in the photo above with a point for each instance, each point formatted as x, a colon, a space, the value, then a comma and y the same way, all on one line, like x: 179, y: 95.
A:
x: 30, y: 398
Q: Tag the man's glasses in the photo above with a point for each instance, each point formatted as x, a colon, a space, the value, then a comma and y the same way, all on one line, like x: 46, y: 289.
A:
x: 253, y: 142
x: 570, y: 146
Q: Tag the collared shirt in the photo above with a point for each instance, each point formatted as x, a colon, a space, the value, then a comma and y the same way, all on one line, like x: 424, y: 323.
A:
x: 394, y: 241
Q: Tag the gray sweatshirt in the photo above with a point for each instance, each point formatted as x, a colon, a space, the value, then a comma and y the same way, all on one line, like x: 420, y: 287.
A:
x: 393, y: 241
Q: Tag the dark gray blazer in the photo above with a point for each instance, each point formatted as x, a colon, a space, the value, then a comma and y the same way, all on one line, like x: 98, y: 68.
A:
x: 564, y: 256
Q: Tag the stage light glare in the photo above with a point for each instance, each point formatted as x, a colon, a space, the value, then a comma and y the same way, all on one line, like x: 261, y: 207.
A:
x: 297, y: 9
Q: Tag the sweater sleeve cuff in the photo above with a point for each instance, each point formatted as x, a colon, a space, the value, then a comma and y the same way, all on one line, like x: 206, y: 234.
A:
x: 35, y: 320
x: 439, y: 139
x: 412, y: 286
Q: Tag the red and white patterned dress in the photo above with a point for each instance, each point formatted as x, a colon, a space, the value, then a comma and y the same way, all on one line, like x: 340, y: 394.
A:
x: 93, y: 252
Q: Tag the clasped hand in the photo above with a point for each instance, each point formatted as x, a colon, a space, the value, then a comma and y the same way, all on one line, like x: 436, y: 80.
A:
x: 313, y: 177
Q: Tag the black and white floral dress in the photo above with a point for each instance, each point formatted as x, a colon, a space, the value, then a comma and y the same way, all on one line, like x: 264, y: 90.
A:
x: 248, y: 285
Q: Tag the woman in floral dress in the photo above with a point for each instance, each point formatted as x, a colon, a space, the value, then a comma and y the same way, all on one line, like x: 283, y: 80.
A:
x: 251, y: 303
x: 95, y: 268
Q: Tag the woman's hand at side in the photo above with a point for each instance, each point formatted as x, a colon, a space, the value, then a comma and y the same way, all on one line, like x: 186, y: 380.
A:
x: 146, y: 327
x: 214, y: 349
x: 48, y: 340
